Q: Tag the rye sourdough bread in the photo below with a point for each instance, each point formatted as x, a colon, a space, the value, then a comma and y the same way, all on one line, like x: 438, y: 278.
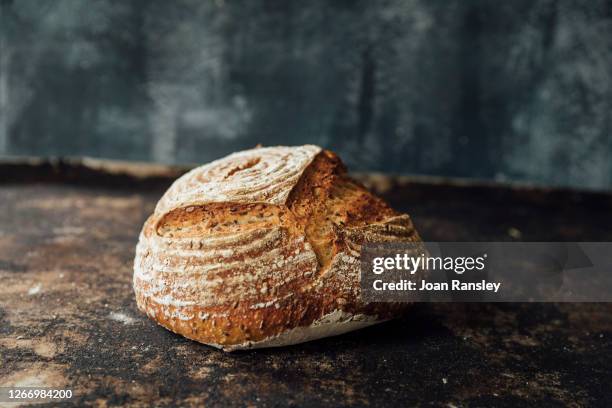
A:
x: 261, y: 249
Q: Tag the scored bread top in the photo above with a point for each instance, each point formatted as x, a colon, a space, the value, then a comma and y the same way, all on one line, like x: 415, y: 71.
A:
x: 265, y: 175
x: 261, y: 242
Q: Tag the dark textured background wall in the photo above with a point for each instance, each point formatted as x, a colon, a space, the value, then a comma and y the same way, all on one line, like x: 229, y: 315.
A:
x: 492, y: 89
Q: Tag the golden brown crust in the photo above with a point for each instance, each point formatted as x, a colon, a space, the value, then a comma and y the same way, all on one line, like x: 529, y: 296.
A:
x: 261, y: 243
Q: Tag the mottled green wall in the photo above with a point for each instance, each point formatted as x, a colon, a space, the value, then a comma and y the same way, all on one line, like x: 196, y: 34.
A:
x: 492, y: 89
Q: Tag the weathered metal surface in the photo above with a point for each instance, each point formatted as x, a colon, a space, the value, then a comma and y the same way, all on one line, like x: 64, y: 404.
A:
x: 68, y: 317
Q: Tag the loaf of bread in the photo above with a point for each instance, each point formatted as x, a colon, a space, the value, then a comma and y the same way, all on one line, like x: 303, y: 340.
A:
x: 261, y: 249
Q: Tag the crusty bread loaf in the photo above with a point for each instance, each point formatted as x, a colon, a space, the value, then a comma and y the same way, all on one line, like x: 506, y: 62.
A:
x: 261, y: 248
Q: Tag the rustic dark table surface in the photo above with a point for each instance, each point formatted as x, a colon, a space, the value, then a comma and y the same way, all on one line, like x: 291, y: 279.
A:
x: 68, y: 317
